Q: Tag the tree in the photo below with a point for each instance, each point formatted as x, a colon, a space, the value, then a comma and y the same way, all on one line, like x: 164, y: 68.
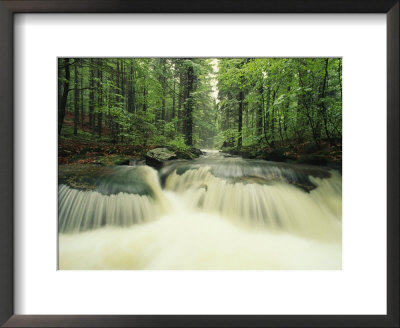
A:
x: 263, y: 102
x: 63, y: 90
x: 76, y: 97
x: 99, y: 97
x: 188, y: 114
x: 91, y: 97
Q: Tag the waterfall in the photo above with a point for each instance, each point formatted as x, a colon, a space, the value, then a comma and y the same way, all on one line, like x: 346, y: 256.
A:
x: 131, y: 195
x: 209, y: 213
x: 274, y: 205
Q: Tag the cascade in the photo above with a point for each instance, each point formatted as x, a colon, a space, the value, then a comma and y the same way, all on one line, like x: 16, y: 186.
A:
x: 215, y: 212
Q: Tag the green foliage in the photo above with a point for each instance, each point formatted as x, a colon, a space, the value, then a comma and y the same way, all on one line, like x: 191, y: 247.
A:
x: 286, y: 99
x: 158, y: 139
x: 68, y: 132
x: 227, y: 137
x: 179, y: 143
x: 145, y: 101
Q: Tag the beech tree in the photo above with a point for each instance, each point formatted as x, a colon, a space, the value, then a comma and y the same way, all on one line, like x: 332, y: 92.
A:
x: 227, y: 102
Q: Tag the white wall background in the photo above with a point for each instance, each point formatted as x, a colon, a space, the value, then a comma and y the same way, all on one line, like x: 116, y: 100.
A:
x: 360, y: 288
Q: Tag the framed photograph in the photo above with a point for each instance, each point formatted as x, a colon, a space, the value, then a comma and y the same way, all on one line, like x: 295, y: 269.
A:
x: 212, y: 164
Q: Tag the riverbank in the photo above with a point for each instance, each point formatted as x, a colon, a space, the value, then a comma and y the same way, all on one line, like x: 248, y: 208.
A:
x: 82, y: 162
x: 75, y: 151
x: 302, y: 153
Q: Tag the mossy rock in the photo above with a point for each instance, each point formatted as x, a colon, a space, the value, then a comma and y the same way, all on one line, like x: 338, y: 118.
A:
x: 195, y: 151
x: 156, y: 157
x: 250, y: 154
x: 129, y: 180
x: 275, y: 155
x: 313, y: 159
x: 185, y: 155
x: 82, y: 176
x: 170, y: 148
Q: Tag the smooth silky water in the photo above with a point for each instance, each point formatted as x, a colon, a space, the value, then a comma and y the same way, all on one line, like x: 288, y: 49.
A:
x: 215, y: 212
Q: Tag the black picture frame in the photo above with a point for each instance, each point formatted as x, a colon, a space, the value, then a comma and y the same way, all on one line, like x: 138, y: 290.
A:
x: 10, y: 7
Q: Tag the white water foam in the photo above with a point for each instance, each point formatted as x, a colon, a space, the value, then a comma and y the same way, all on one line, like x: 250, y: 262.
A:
x: 277, y: 206
x: 192, y: 240
x: 203, y: 221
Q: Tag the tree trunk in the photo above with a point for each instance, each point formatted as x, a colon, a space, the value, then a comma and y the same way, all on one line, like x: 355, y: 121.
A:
x: 62, y: 98
x: 273, y: 116
x: 300, y: 124
x: 122, y: 82
x: 323, y: 104
x: 76, y: 97
x: 180, y: 100
x: 340, y: 78
x: 117, y: 90
x: 285, y: 115
x: 81, y: 98
x: 246, y: 106
x: 100, y: 98
x: 173, y: 102
x: 227, y: 112
x: 280, y: 126
x: 91, y: 97
x: 131, y: 89
x: 266, y: 119
x: 240, y: 119
x: 188, y: 117
x: 260, y: 110
x: 144, y: 96
x: 164, y: 91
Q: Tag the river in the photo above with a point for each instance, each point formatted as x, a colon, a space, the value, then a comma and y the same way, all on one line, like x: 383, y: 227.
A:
x: 216, y: 212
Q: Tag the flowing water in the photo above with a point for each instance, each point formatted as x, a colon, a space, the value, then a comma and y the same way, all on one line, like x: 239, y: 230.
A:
x: 215, y: 212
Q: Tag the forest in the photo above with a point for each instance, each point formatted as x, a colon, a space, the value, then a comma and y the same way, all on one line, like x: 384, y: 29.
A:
x: 199, y: 163
x: 280, y: 109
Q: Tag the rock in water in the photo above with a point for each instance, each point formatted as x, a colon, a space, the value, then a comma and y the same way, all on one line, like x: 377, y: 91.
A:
x: 275, y: 155
x: 157, y: 156
x: 196, y: 151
